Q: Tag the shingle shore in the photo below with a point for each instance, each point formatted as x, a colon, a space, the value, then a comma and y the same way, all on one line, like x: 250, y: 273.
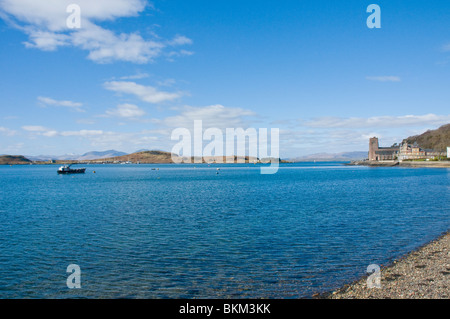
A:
x: 422, y: 274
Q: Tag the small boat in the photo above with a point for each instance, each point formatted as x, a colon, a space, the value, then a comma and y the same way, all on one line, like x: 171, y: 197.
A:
x: 65, y: 169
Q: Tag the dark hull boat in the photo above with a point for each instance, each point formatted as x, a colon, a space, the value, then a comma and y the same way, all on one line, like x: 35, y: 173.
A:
x: 67, y: 170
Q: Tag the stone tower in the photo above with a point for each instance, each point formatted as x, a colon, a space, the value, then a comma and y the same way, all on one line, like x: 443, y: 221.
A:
x: 373, y: 146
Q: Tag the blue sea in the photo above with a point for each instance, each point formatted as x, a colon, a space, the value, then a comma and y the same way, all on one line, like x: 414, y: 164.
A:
x: 184, y: 231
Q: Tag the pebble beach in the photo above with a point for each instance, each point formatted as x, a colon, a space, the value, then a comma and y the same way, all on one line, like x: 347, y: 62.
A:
x: 422, y: 274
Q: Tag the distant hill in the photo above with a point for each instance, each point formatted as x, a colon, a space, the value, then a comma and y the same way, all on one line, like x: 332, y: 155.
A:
x: 146, y: 157
x: 14, y: 160
x: 438, y: 139
x: 99, y: 155
x: 325, y: 157
x: 43, y: 158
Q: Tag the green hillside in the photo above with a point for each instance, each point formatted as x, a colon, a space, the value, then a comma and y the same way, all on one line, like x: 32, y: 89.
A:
x: 438, y: 139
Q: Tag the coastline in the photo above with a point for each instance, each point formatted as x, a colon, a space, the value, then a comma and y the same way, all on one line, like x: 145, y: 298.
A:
x: 411, y: 164
x: 423, y: 273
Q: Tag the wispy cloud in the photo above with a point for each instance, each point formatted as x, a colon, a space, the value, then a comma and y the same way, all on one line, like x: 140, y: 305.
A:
x: 127, y: 111
x: 82, y: 133
x: 34, y: 128
x: 48, y: 132
x: 10, y: 117
x: 15, y: 148
x: 180, y: 40
x: 37, y: 130
x: 137, y: 76
x: 180, y: 53
x: 338, y: 134
x: 102, y: 139
x: 44, y: 21
x: 385, y: 78
x: 46, y: 101
x: 147, y: 94
x: 6, y: 131
x: 378, y: 121
x: 212, y: 116
x: 167, y: 82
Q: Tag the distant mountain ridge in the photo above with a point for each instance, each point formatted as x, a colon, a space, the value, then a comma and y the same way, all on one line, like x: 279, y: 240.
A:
x: 100, y: 155
x: 65, y: 157
x: 77, y: 157
x: 324, y: 157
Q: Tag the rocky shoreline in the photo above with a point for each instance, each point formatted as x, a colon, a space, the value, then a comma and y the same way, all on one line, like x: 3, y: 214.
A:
x: 421, y: 274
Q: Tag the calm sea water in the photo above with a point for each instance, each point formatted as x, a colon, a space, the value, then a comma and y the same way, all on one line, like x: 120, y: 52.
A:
x: 187, y: 232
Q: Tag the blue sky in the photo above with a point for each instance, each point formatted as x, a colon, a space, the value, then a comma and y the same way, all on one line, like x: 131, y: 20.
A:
x: 136, y: 70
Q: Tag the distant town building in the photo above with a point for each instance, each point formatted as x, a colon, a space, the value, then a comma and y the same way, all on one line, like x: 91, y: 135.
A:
x: 377, y: 153
x: 411, y: 152
x: 402, y: 152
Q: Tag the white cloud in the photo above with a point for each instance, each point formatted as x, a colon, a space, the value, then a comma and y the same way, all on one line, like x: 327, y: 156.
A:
x: 145, y: 93
x: 167, y: 82
x: 386, y: 78
x: 379, y: 121
x: 126, y: 110
x: 6, y: 131
x: 105, y: 46
x: 172, y: 54
x: 15, y: 148
x: 137, y: 76
x: 338, y: 134
x: 82, y: 133
x: 180, y: 40
x: 44, y: 21
x: 34, y: 128
x: 212, y: 116
x: 130, y: 141
x: 50, y: 133
x: 44, y: 131
x: 46, y: 41
x: 52, y: 14
x: 51, y: 102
